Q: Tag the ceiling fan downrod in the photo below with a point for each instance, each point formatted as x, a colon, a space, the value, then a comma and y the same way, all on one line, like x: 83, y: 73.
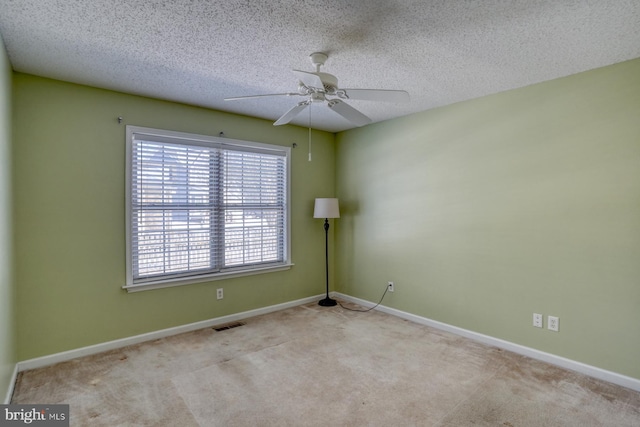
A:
x: 318, y: 59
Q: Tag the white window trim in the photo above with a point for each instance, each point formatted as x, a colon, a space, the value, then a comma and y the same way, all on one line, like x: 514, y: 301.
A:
x: 130, y: 286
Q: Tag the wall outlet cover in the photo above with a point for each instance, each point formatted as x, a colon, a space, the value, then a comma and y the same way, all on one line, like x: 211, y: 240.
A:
x: 537, y: 320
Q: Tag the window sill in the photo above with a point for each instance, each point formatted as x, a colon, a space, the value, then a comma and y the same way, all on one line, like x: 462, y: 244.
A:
x: 147, y: 286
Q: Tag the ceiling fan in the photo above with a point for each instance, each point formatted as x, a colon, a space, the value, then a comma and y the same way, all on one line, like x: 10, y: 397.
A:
x: 322, y: 87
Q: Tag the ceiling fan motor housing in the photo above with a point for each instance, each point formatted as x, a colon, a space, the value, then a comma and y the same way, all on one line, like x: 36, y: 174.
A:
x: 329, y: 81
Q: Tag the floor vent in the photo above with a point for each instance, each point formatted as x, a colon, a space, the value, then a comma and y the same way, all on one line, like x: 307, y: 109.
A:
x: 228, y: 326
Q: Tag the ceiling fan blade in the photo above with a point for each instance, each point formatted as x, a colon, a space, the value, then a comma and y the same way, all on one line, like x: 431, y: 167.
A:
x: 377, y: 95
x: 349, y: 113
x: 289, y: 115
x: 238, y: 98
x: 309, y: 79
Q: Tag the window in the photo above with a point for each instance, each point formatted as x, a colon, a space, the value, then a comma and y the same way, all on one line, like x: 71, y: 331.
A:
x: 201, y: 208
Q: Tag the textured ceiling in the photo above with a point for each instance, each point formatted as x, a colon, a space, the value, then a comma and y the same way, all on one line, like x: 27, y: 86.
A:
x: 200, y: 51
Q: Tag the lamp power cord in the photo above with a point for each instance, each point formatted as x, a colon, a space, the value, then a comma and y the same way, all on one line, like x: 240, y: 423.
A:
x: 368, y: 309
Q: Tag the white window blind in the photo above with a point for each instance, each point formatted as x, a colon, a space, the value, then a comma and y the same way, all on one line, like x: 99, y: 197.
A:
x: 203, y: 206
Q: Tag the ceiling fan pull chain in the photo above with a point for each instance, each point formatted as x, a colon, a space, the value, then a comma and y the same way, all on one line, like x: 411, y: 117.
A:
x: 309, y: 133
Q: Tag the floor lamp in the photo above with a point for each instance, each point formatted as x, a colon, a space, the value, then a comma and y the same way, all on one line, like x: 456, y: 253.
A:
x: 326, y: 208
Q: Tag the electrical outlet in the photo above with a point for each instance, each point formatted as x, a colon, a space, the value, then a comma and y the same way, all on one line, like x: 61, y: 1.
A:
x: 537, y: 320
x: 390, y: 286
x: 553, y: 323
x: 220, y: 293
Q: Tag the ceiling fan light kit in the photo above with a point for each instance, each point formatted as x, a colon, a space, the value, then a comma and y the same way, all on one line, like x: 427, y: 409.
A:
x: 320, y: 87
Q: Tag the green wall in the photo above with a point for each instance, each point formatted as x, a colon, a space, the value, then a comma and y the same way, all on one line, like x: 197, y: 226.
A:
x: 482, y: 212
x: 7, y: 324
x: 69, y: 158
x: 487, y: 211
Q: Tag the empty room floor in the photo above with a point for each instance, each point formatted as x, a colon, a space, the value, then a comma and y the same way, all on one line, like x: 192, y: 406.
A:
x: 320, y: 366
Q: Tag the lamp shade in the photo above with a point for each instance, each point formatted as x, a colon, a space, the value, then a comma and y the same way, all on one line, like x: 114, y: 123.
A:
x: 326, y: 208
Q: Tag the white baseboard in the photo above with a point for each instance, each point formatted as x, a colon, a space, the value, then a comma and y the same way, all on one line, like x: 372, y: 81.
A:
x: 573, y: 365
x: 12, y: 384
x: 40, y: 362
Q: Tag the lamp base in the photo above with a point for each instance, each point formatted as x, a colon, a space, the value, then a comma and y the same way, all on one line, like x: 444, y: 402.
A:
x: 327, y: 302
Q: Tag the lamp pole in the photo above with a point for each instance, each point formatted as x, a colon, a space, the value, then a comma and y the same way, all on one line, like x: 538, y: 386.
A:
x: 327, y: 302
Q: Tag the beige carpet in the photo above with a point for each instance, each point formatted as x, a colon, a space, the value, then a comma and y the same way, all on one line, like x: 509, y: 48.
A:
x: 315, y: 366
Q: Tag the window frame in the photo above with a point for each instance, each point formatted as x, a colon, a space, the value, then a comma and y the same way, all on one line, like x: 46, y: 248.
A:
x: 211, y: 142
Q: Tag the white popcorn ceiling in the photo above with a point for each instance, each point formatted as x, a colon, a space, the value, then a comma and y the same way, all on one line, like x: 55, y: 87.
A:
x: 201, y: 51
